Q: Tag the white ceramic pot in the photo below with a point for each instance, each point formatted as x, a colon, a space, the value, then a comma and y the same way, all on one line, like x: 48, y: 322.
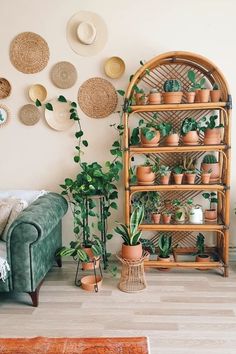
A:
x: 196, y: 215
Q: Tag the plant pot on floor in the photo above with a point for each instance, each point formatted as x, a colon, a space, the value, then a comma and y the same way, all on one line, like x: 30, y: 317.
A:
x: 212, y: 136
x: 145, y: 175
x: 94, y: 261
x: 132, y: 252
x: 191, y: 138
x: 156, y: 217
x: 178, y: 178
x: 210, y: 215
x: 90, y: 283
x: 190, y: 96
x: 153, y: 142
x: 203, y: 95
x: 215, y: 170
x: 172, y: 140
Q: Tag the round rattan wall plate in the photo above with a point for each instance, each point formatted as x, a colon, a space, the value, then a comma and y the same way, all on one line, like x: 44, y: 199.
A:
x: 114, y: 67
x: 29, y: 114
x: 59, y: 118
x: 97, y: 98
x: 64, y: 75
x: 5, y: 88
x: 4, y: 115
x: 37, y: 91
x: 29, y: 53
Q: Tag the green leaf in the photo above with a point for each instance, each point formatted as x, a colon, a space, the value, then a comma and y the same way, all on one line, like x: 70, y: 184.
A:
x: 109, y: 236
x: 73, y: 104
x: 121, y: 92
x: 79, y: 134
x: 85, y: 143
x: 38, y: 103
x: 77, y: 159
x: 131, y: 77
x: 141, y: 62
x: 114, y: 205
x: 116, y: 144
x: 62, y: 99
x: 68, y: 182
x: 191, y: 76
x: 48, y: 106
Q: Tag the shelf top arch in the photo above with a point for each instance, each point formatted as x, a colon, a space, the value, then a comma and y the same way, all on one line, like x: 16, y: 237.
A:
x: 175, y: 65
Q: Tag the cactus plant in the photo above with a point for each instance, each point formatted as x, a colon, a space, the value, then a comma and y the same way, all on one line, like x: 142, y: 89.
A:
x: 200, y: 244
x: 209, y: 158
x: 165, y: 246
x: 172, y: 86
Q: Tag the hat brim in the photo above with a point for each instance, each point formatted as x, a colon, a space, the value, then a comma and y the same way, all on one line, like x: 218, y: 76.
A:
x: 101, y: 33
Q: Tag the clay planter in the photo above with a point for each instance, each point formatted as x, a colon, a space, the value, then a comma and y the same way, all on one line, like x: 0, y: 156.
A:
x: 145, y: 176
x: 131, y: 252
x: 215, y: 170
x: 156, y: 217
x: 203, y: 96
x: 172, y: 140
x: 205, y: 178
x: 141, y: 99
x: 90, y: 265
x: 191, y: 138
x: 212, y: 136
x: 89, y: 282
x: 203, y: 258
x: 190, y: 96
x: 178, y: 178
x: 165, y: 179
x: 153, y: 142
x: 154, y: 98
x: 164, y: 260
x: 215, y: 95
x: 166, y: 218
x: 172, y: 97
x: 190, y: 178
x: 210, y: 214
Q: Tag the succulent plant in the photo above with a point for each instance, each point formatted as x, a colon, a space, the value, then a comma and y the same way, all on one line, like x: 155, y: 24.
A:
x: 189, y: 164
x: 172, y: 85
x: 165, y: 246
x: 209, y: 158
x: 215, y: 86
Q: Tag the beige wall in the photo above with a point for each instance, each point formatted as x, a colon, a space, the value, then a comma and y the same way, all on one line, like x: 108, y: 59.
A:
x: 39, y: 157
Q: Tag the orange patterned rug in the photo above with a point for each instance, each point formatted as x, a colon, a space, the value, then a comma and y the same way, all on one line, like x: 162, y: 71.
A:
x: 42, y: 345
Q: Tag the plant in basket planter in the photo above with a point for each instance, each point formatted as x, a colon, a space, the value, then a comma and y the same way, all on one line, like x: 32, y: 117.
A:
x: 154, y: 96
x: 146, y: 173
x: 215, y: 93
x: 182, y: 209
x: 212, y: 131
x: 211, y: 213
x: 178, y: 174
x: 150, y: 134
x: 168, y: 131
x: 210, y: 162
x: 172, y: 91
x: 132, y: 247
x: 152, y: 202
x: 202, y: 94
x: 190, y: 170
x: 202, y: 256
x: 190, y: 131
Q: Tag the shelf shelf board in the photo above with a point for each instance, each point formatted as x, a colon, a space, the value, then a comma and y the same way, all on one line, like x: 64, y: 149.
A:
x: 164, y: 149
x: 160, y: 264
x: 182, y: 227
x: 179, y: 187
x: 179, y: 107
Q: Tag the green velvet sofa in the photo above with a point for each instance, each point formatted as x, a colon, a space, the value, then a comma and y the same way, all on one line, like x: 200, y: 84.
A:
x: 31, y: 243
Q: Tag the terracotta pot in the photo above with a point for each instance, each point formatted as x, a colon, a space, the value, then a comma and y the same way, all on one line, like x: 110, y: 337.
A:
x: 132, y: 252
x: 165, y: 179
x: 156, y: 217
x: 215, y: 173
x: 215, y: 95
x: 205, y: 178
x: 191, y: 138
x: 89, y: 282
x: 172, y: 97
x: 203, y: 96
x: 166, y: 218
x: 178, y: 178
x: 190, y: 178
x: 210, y: 214
x: 212, y: 136
x: 145, y: 176
x: 190, y: 96
x: 164, y: 260
x: 141, y: 99
x: 203, y: 258
x: 153, y: 142
x: 154, y: 98
x: 90, y: 265
x: 172, y: 140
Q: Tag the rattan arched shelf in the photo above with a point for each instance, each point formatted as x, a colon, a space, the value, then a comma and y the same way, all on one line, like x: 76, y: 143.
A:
x: 175, y: 65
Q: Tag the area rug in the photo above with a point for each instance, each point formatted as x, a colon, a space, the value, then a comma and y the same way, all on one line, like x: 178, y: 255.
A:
x: 43, y: 345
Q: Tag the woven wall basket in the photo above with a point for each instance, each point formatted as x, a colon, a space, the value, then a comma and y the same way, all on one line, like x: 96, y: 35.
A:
x: 64, y: 75
x: 29, y: 114
x: 97, y: 98
x: 29, y: 53
x: 5, y: 88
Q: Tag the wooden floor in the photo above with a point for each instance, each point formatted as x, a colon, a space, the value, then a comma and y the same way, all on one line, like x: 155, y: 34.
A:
x: 187, y: 312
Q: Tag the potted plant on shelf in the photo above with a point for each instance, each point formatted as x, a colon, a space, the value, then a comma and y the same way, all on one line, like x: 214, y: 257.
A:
x: 140, y: 97
x: 172, y: 91
x: 146, y: 173
x: 150, y: 134
x: 195, y: 214
x: 205, y: 176
x: 148, y: 245
x: 189, y: 131
x: 202, y: 256
x: 212, y: 131
x: 164, y: 172
x: 166, y: 216
x: 132, y: 247
x: 202, y: 93
x: 211, y: 213
x: 154, y: 96
x: 178, y: 173
x: 165, y: 249
x: 190, y: 95
x: 190, y: 170
x: 210, y: 162
x: 181, y: 210
x: 172, y: 136
x: 215, y: 93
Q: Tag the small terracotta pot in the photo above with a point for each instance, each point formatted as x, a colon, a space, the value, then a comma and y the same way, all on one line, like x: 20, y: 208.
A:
x: 172, y: 140
x: 164, y: 260
x: 153, y: 142
x: 203, y: 96
x: 132, y: 252
x: 145, y: 176
x: 166, y: 218
x: 172, y: 97
x: 90, y: 265
x: 205, y: 178
x: 154, y: 98
x: 89, y: 282
x: 210, y: 214
x: 156, y: 217
x: 190, y: 96
x: 215, y: 173
x: 141, y: 99
x: 191, y: 138
x: 203, y: 258
x: 165, y: 179
x: 190, y: 178
x: 215, y: 95
x: 212, y: 136
x: 178, y: 178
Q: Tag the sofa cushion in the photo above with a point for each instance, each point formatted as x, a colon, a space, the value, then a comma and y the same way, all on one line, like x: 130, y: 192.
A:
x: 29, y: 195
x: 5, y: 211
